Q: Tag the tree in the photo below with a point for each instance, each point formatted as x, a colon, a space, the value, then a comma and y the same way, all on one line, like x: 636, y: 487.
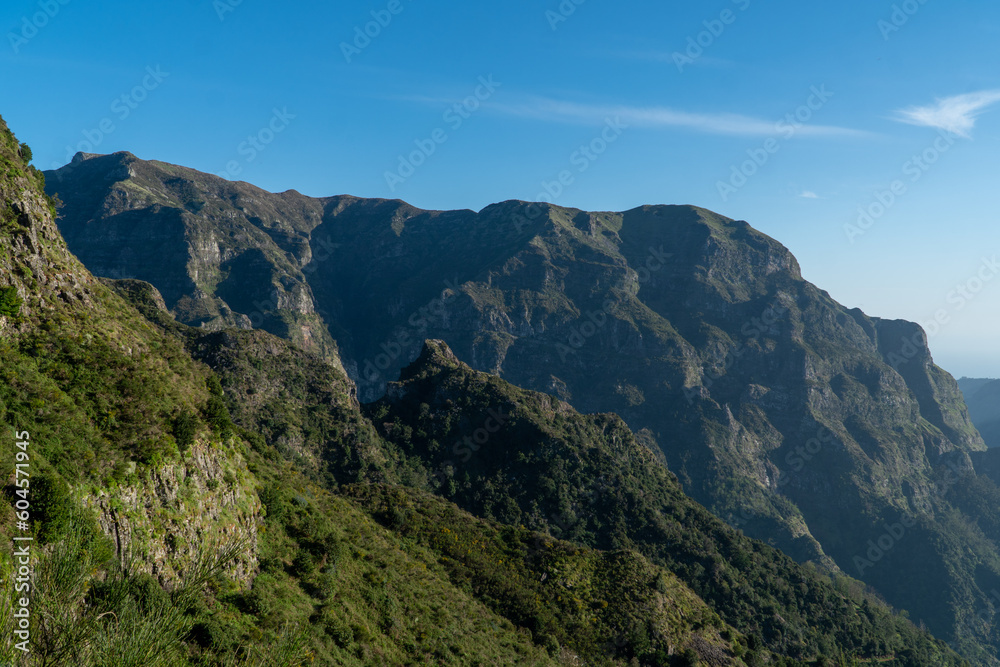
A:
x: 10, y: 302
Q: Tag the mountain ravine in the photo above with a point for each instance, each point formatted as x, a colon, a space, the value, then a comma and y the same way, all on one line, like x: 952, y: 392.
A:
x: 822, y: 430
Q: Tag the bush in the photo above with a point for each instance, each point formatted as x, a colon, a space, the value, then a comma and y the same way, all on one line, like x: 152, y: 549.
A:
x: 152, y: 452
x: 10, y: 302
x: 185, y: 427
x: 687, y: 658
x: 26, y: 153
x: 51, y: 506
x: 211, y: 634
x: 333, y: 549
x: 302, y: 564
x: 339, y: 631
x: 258, y: 601
x: 216, y: 413
x: 148, y: 593
x: 273, y: 501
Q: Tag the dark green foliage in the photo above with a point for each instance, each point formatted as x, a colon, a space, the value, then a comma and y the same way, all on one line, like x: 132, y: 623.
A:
x: 185, y: 427
x: 99, y: 403
x: 274, y: 501
x: 26, y: 153
x: 215, y: 412
x: 214, y: 636
x: 51, y: 506
x: 10, y: 302
x: 586, y: 479
x: 601, y: 605
x: 217, y: 415
x: 687, y: 658
x: 365, y: 590
x: 295, y: 402
x: 214, y: 386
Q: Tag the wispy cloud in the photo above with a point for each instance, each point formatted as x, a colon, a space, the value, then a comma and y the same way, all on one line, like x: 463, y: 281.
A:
x: 665, y: 57
x: 664, y: 117
x: 953, y: 114
x: 809, y: 194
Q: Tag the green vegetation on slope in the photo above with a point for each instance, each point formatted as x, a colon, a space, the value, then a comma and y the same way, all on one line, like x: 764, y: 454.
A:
x: 524, y: 458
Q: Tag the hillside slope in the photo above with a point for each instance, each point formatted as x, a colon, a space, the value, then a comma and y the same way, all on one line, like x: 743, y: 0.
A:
x: 214, y: 267
x: 524, y: 458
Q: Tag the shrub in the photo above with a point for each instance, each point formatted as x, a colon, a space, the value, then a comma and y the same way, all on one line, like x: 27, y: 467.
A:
x: 185, y: 427
x: 273, y: 501
x: 152, y: 452
x: 258, y: 601
x: 216, y: 413
x: 10, y: 302
x: 51, y: 506
x: 687, y: 658
x: 211, y: 634
x: 302, y: 564
x: 339, y: 630
x: 148, y: 593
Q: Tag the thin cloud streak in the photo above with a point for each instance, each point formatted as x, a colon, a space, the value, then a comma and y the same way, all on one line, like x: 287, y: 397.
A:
x: 663, y: 117
x: 955, y: 114
x: 665, y: 57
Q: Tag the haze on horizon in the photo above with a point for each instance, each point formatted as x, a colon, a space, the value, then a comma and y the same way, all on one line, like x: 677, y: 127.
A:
x: 841, y: 131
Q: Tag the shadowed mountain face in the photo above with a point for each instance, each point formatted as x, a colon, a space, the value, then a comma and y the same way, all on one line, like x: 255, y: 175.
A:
x: 824, y: 431
x: 983, y: 398
x: 222, y: 255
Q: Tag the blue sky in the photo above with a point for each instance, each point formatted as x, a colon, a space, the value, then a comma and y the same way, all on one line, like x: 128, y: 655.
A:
x: 796, y: 117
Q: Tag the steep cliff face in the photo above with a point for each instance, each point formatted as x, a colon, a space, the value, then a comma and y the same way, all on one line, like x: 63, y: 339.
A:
x: 175, y: 516
x: 140, y: 477
x: 221, y: 254
x: 697, y: 329
x: 809, y: 425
